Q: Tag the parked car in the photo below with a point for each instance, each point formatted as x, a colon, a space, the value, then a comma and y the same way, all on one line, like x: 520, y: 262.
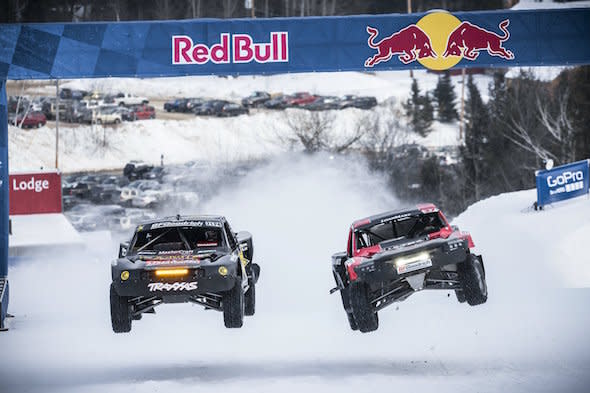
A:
x: 323, y: 103
x: 142, y: 112
x: 108, y: 116
x: 126, y: 99
x: 49, y: 108
x: 134, y: 170
x: 77, y: 112
x: 277, y: 102
x: 256, y: 99
x: 193, y: 103
x: 71, y: 94
x: 300, y: 99
x: 232, y: 109
x: 210, y: 108
x: 361, y: 102
x: 174, y: 105
x: 32, y: 119
x: 134, y: 189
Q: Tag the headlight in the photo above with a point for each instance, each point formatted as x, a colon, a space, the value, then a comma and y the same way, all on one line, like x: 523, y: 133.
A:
x: 413, y: 262
x: 124, y: 275
x: 222, y: 270
x: 412, y: 258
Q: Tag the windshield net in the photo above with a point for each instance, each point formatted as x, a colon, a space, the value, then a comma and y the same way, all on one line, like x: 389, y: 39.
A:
x: 178, y: 239
x: 404, y: 228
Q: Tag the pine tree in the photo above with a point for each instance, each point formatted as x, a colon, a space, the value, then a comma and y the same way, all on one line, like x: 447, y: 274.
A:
x: 419, y: 110
x: 444, y: 95
x: 476, y: 142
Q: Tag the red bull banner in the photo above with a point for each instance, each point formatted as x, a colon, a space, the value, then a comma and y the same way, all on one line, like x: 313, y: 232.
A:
x: 34, y: 193
x: 436, y: 40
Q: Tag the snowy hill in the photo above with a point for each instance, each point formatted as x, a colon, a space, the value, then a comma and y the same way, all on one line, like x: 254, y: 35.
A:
x: 531, y: 335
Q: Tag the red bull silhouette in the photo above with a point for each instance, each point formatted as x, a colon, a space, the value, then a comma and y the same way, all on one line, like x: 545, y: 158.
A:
x: 468, y: 40
x: 410, y: 43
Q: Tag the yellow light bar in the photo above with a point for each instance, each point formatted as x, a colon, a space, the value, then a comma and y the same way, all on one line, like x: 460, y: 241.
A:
x: 171, y: 272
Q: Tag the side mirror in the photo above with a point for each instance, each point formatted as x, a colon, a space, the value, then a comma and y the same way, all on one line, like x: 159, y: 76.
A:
x: 339, y: 258
x: 123, y: 249
x: 246, y: 246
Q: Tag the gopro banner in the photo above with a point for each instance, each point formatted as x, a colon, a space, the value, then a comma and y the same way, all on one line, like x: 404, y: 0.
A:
x: 563, y: 182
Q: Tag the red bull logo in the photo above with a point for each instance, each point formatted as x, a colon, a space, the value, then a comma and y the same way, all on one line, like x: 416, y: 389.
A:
x: 439, y: 41
x: 236, y: 48
x: 410, y: 43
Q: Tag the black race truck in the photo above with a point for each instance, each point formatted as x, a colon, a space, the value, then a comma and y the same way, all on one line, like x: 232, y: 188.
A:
x: 392, y: 255
x: 183, y: 259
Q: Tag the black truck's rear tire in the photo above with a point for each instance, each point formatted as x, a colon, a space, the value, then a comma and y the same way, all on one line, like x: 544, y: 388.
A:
x: 233, y: 307
x: 120, y: 315
x: 250, y: 300
x: 473, y: 280
x: 344, y: 294
x: 364, y: 314
x: 460, y: 296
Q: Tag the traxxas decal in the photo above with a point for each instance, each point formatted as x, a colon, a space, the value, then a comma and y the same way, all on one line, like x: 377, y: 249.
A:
x: 175, y: 286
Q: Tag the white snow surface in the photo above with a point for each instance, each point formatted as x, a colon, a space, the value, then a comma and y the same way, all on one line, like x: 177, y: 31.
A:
x: 30, y: 230
x: 547, y: 4
x: 531, y: 335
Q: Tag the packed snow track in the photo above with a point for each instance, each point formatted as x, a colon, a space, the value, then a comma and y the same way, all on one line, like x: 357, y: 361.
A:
x: 531, y: 335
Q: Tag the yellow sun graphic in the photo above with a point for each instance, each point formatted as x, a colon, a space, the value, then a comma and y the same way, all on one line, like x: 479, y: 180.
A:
x: 438, y: 26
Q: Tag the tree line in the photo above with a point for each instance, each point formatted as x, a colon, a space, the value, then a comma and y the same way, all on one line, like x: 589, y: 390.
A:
x: 524, y: 123
x: 21, y: 11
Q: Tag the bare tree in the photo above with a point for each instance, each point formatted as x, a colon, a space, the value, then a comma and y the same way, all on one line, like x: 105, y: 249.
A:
x: 381, y: 133
x: 559, y: 127
x: 312, y: 130
x: 533, y: 128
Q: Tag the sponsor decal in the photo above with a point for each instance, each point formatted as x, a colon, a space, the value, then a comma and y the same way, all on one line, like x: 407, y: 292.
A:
x: 397, y: 217
x: 562, y: 182
x: 413, y: 266
x: 567, y: 182
x: 175, y: 286
x: 186, y: 223
x: 170, y: 260
x: 439, y: 41
x: 231, y: 48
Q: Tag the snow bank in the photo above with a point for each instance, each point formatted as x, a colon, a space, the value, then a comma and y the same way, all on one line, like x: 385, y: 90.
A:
x: 551, y: 245
x: 548, y: 4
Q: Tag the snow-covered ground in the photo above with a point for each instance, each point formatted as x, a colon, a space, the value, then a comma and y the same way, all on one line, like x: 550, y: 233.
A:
x: 531, y: 335
x: 545, y: 4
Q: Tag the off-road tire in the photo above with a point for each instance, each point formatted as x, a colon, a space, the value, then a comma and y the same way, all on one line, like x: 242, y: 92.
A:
x: 473, y: 280
x: 250, y: 300
x: 120, y: 315
x: 364, y: 314
x: 233, y: 307
x: 460, y: 296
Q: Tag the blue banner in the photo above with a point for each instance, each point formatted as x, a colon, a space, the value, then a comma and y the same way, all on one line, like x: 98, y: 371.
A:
x: 437, y: 40
x: 3, y: 181
x: 563, y: 182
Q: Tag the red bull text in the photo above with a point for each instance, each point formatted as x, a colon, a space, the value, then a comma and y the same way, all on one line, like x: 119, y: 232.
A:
x: 236, y: 48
